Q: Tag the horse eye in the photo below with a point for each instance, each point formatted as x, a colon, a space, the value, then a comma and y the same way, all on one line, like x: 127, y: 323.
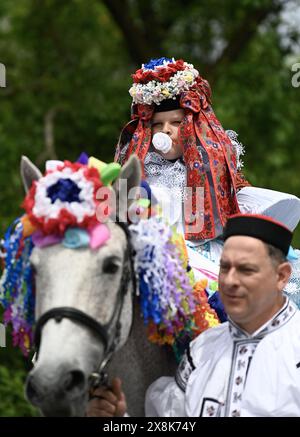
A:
x: 110, y: 266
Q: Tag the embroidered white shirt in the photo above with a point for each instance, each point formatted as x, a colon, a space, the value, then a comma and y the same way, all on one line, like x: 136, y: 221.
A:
x: 231, y: 373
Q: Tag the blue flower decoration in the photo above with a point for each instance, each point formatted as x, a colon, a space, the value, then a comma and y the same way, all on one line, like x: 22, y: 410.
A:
x: 146, y: 186
x: 156, y: 63
x: 216, y: 304
x: 65, y: 190
x: 83, y: 158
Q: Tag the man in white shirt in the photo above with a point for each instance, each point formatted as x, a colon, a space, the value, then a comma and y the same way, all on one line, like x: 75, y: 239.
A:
x: 250, y: 365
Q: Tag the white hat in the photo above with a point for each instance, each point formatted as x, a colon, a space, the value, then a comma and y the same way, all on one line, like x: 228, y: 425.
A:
x: 282, y: 207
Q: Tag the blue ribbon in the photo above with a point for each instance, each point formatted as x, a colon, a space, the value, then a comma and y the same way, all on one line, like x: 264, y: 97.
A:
x: 76, y: 237
x: 291, y: 256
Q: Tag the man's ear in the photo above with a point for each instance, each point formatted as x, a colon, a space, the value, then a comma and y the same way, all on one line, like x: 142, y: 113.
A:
x: 29, y: 172
x: 129, y: 179
x: 284, y: 271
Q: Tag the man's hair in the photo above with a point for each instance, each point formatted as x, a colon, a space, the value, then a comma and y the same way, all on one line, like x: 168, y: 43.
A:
x: 276, y: 255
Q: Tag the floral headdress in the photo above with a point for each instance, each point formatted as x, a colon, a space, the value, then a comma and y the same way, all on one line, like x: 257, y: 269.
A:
x: 201, y: 136
x: 162, y: 79
x: 61, y: 209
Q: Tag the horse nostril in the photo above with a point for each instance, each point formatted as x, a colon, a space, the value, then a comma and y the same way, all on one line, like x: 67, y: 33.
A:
x: 31, y: 391
x: 74, y: 380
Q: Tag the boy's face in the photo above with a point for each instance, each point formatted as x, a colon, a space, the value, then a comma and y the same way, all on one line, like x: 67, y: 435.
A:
x: 168, y: 122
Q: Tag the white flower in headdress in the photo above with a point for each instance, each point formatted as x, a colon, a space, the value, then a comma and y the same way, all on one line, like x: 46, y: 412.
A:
x: 157, y: 89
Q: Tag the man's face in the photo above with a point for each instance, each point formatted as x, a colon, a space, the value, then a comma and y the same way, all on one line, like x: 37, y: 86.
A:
x: 250, y: 284
x: 168, y: 122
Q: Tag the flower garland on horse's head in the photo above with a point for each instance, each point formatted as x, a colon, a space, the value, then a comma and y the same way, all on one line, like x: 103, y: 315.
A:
x: 61, y: 208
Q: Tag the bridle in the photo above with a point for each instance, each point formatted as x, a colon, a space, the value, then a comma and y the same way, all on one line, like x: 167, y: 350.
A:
x: 110, y: 332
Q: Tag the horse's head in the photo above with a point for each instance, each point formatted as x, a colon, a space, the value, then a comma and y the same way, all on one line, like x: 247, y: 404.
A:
x: 81, y: 268
x: 83, y: 309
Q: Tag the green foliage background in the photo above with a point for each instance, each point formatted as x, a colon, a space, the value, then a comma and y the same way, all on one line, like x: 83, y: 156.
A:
x: 70, y: 62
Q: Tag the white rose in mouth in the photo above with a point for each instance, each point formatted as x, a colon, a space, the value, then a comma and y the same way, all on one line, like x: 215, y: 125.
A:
x: 162, y: 142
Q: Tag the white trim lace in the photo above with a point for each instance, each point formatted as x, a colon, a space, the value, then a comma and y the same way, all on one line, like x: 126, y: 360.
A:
x: 162, y: 173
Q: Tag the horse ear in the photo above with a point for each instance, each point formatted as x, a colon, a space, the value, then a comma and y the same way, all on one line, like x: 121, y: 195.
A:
x: 29, y: 172
x: 131, y: 174
x: 131, y: 171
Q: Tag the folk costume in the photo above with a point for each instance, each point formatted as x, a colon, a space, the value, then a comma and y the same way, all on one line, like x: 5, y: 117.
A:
x: 211, y: 160
x: 209, y: 157
x: 229, y: 372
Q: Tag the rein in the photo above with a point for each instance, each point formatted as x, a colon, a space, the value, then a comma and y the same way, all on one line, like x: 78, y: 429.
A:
x: 104, y: 331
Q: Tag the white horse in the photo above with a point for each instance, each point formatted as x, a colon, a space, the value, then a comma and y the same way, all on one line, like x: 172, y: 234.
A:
x: 86, y: 310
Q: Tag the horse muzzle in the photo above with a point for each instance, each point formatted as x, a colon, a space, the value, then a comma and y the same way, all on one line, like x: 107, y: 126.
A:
x: 62, y: 391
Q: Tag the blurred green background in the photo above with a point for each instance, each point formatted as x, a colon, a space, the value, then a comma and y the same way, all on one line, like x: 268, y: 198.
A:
x: 68, y: 67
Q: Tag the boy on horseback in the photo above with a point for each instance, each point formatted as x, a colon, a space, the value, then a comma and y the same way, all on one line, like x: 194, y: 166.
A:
x: 196, y: 175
